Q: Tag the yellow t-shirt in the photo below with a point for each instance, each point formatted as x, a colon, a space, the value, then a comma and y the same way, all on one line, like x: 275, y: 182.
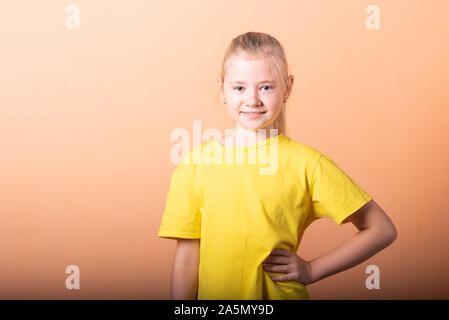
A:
x: 243, y: 210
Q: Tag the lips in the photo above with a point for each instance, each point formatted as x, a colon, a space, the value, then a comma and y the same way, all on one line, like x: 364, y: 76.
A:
x: 253, y: 112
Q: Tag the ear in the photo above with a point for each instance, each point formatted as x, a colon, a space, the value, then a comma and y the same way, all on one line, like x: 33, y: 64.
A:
x: 220, y: 87
x: 288, y: 91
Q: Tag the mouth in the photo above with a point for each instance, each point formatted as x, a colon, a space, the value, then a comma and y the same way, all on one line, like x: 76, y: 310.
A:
x: 252, y: 113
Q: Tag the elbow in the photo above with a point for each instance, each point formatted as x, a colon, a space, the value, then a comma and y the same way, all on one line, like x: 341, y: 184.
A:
x: 390, y: 234
x: 394, y: 236
x: 393, y: 232
x: 386, y: 235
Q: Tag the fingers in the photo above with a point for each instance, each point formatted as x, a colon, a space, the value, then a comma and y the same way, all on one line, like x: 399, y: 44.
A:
x: 282, y: 260
x: 277, y: 268
x: 277, y: 259
x: 284, y: 277
x: 280, y: 256
x: 281, y: 252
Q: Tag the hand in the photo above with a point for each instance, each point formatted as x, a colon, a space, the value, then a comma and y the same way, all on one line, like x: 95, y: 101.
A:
x: 295, y: 268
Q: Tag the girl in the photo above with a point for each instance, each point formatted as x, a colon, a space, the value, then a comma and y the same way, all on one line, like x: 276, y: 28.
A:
x: 251, y: 223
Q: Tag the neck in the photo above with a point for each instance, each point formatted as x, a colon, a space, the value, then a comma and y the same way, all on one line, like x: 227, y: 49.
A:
x: 240, y: 135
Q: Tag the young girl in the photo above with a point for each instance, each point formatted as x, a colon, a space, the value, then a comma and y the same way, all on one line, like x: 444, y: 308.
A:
x: 250, y: 222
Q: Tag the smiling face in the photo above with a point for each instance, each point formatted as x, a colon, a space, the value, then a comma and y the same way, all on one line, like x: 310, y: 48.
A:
x: 252, y: 91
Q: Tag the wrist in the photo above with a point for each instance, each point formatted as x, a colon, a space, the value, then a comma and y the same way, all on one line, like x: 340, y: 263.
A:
x: 315, y: 273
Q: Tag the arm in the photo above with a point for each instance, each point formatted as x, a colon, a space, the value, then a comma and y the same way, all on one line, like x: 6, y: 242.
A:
x: 184, y: 277
x: 376, y: 231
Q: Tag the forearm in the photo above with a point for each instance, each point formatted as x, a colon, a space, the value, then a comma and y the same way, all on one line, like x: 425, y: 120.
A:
x: 184, y: 281
x: 363, y: 245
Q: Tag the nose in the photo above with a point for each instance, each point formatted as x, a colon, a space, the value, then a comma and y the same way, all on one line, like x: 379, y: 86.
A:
x: 252, y: 98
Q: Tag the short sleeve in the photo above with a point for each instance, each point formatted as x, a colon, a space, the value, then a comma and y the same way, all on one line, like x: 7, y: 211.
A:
x: 333, y: 193
x: 181, y: 217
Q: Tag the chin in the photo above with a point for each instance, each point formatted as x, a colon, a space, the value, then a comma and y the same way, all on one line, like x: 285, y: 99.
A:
x: 252, y: 126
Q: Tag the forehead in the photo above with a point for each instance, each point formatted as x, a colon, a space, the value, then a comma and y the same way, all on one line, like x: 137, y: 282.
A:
x: 249, y: 69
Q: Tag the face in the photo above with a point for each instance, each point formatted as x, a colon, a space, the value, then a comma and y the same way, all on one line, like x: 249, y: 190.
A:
x: 253, y: 95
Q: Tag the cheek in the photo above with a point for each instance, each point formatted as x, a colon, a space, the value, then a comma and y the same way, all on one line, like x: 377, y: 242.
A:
x: 275, y: 108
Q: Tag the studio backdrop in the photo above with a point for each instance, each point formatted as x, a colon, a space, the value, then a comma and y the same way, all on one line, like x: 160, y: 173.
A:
x: 90, y: 92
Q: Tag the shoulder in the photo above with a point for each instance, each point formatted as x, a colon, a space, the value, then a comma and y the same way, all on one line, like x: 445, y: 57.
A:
x: 194, y: 155
x: 188, y: 168
x: 301, y: 150
x: 300, y: 158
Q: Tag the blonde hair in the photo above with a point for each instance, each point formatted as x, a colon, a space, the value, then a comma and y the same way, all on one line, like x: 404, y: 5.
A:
x: 256, y: 44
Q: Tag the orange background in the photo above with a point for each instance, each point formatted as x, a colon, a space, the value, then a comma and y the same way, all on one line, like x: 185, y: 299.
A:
x: 85, y: 119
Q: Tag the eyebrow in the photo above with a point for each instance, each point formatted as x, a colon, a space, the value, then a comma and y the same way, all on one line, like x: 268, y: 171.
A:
x: 265, y: 81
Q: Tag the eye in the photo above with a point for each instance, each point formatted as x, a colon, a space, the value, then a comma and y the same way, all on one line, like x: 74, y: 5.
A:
x: 271, y: 87
x: 238, y: 87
